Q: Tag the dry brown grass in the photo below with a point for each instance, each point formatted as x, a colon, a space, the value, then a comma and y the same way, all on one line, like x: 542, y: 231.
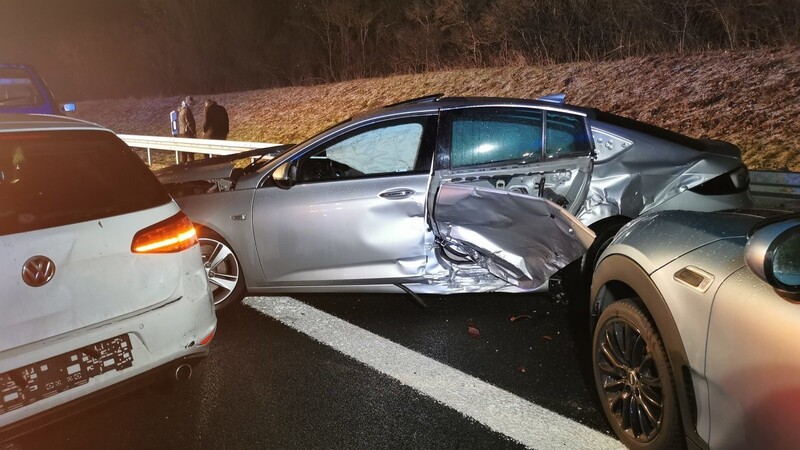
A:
x: 749, y: 98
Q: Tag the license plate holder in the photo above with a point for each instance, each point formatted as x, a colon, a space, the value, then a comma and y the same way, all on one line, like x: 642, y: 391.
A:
x: 42, y: 379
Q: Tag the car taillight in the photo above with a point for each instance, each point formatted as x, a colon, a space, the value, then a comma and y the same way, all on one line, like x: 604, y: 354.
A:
x: 168, y: 236
x: 208, y: 338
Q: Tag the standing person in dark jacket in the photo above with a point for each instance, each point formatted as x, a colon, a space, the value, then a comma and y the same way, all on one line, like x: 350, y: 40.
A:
x: 187, y: 127
x: 215, y: 123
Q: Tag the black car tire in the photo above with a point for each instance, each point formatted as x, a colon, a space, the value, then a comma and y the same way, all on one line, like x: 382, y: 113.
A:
x: 634, y: 379
x: 225, y: 277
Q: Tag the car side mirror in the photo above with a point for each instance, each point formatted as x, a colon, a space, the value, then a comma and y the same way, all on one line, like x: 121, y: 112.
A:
x: 69, y: 107
x: 773, y: 254
x: 285, y: 175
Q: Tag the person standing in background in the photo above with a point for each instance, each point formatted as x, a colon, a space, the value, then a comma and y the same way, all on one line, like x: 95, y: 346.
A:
x: 187, y: 128
x: 215, y: 122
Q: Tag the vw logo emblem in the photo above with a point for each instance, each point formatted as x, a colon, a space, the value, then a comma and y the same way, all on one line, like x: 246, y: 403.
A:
x: 38, y: 270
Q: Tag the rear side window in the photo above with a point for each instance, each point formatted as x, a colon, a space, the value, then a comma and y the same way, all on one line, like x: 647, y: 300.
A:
x: 18, y: 89
x: 493, y: 135
x: 566, y: 135
x: 56, y: 178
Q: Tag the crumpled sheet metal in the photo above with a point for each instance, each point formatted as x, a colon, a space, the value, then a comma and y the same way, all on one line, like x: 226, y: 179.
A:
x: 445, y: 277
x: 632, y: 187
x: 518, y: 238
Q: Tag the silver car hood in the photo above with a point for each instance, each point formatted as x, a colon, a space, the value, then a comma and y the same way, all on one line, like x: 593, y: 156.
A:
x: 217, y: 167
x: 518, y: 238
x: 656, y: 239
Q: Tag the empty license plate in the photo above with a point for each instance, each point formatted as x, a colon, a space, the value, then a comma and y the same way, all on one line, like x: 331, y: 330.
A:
x: 28, y: 384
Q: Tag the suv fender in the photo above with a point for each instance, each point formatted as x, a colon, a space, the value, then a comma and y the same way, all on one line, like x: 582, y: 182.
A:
x: 617, y: 277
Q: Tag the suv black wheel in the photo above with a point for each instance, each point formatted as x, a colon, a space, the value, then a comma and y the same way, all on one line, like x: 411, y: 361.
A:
x: 633, y: 378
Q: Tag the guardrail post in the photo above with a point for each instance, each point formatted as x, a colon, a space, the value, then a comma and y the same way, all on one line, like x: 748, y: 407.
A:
x: 177, y: 157
x: 149, y: 159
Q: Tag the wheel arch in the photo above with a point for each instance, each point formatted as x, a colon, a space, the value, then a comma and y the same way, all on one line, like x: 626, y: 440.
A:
x: 618, y: 277
x: 601, y: 228
x: 199, y: 227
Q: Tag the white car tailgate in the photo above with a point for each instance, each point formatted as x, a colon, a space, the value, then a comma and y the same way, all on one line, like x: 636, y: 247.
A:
x: 96, y: 276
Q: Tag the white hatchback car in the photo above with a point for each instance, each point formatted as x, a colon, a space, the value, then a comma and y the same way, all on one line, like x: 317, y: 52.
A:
x: 101, y: 278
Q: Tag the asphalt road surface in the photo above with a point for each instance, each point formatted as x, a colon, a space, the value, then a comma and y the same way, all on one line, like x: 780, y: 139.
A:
x: 365, y: 372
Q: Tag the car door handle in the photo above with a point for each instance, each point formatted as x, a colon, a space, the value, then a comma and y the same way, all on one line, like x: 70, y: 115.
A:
x: 395, y: 194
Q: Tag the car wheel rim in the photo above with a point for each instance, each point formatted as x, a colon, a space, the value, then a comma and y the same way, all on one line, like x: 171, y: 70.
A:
x: 222, y: 268
x: 630, y: 382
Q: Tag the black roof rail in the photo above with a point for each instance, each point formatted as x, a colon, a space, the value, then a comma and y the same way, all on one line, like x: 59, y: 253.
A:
x: 424, y: 99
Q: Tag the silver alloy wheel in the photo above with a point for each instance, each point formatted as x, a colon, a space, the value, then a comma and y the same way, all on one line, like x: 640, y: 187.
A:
x: 630, y: 379
x: 222, y: 268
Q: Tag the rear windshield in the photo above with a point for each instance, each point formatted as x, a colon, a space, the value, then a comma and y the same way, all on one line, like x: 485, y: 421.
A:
x: 54, y: 178
x: 18, y: 89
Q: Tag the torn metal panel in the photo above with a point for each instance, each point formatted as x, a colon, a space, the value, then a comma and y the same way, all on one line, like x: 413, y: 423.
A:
x: 562, y: 181
x: 629, y: 183
x: 518, y: 238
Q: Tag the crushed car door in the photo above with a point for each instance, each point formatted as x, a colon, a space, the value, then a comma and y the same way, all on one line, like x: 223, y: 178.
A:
x: 506, y: 186
x: 519, y: 239
x: 527, y: 150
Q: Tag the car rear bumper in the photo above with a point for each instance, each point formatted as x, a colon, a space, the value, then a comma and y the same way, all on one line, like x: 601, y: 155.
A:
x: 160, y: 338
x: 165, y: 372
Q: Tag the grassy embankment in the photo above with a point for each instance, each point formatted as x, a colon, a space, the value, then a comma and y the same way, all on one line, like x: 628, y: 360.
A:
x: 750, y: 98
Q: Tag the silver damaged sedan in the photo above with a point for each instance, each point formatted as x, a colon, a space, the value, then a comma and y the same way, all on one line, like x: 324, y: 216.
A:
x: 443, y: 195
x: 696, y: 320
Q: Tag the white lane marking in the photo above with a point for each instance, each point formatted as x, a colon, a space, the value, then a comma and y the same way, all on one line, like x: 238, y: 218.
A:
x: 501, y: 411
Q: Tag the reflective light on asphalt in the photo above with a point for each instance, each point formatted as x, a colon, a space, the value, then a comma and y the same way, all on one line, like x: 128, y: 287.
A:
x: 501, y: 411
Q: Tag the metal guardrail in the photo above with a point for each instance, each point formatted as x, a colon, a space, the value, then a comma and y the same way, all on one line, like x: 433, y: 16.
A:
x: 178, y: 145
x: 779, y: 190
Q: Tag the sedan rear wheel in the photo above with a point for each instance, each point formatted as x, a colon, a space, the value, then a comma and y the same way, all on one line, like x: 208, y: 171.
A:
x: 222, y: 269
x: 633, y: 378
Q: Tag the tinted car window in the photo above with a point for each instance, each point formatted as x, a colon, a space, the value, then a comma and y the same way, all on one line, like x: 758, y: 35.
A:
x: 17, y: 89
x: 386, y: 148
x: 490, y: 135
x: 566, y: 135
x: 56, y: 178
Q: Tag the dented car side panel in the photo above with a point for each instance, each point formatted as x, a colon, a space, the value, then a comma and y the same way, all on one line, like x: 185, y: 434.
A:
x: 519, y: 239
x: 342, y: 231
x: 634, y: 173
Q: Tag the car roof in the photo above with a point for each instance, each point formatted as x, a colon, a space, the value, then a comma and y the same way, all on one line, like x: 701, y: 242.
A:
x: 435, y: 102
x: 43, y: 122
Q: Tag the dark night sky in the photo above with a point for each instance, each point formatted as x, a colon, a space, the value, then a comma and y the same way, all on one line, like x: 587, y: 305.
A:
x: 31, y: 30
x: 93, y: 49
x: 49, y: 33
x: 106, y: 48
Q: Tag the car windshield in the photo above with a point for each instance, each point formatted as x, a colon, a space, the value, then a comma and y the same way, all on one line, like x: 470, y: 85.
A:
x: 56, y: 178
x: 18, y: 89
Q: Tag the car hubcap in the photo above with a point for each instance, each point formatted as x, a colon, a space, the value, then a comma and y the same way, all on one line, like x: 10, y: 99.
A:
x: 630, y: 381
x: 222, y: 269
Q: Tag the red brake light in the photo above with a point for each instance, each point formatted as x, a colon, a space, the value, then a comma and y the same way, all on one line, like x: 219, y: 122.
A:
x: 168, y: 236
x: 208, y: 338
